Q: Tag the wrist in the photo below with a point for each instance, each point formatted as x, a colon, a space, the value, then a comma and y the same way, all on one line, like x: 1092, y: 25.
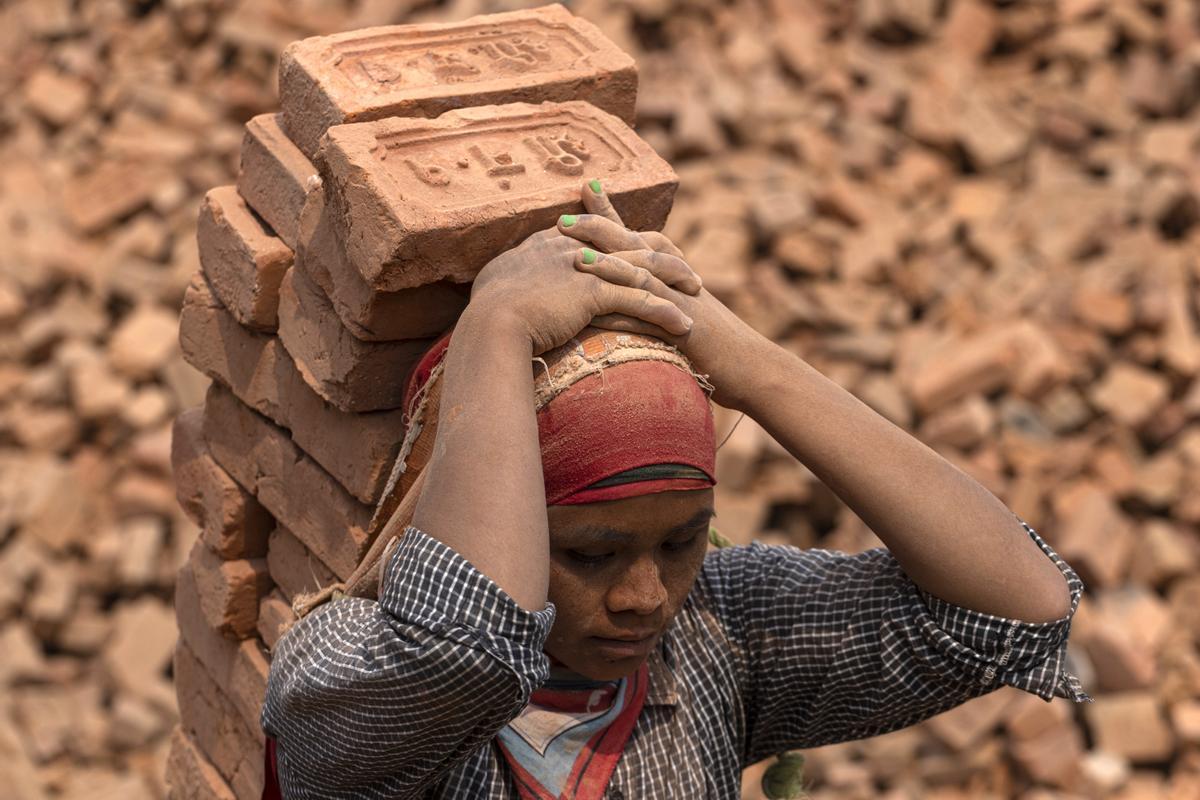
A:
x: 760, y: 363
x: 494, y: 323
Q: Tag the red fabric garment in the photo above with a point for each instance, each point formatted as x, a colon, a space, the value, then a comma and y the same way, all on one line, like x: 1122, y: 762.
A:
x: 271, y: 790
x: 629, y: 415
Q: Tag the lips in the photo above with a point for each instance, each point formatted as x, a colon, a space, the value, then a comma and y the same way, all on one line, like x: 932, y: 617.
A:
x: 625, y: 647
x: 629, y: 637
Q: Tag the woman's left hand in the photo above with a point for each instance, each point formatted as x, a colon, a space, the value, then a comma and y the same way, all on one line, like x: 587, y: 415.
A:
x: 719, y: 344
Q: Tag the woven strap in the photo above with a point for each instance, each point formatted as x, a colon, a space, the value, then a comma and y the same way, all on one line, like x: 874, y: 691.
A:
x: 395, y: 508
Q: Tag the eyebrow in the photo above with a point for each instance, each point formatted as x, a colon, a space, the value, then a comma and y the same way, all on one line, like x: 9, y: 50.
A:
x: 606, y: 534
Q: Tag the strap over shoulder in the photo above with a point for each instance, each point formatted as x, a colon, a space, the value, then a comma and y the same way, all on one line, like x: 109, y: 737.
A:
x: 395, y: 508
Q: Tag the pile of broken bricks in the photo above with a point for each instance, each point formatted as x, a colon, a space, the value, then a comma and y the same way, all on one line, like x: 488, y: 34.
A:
x: 981, y: 217
x: 403, y: 160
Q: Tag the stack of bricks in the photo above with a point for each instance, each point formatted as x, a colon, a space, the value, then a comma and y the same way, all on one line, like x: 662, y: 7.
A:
x: 404, y: 159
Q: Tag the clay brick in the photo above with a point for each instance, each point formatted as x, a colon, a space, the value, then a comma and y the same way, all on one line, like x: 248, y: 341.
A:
x: 1129, y: 394
x: 1120, y: 665
x: 1019, y: 356
x: 248, y: 684
x: 970, y: 29
x: 229, y: 663
x: 1164, y: 553
x: 356, y: 449
x: 231, y: 521
x: 1185, y: 720
x: 229, y: 590
x: 370, y: 315
x: 109, y: 192
x: 294, y: 569
x: 962, y: 425
x: 354, y: 375
x: 56, y: 97
x: 1029, y: 716
x: 209, y: 718
x: 542, y: 54
x: 273, y: 174
x: 1094, y: 537
x: 298, y: 493
x: 144, y: 342
x: 743, y: 444
x: 1052, y: 757
x: 242, y: 258
x: 191, y: 775
x: 275, y: 616
x: 419, y: 200
x: 1103, y: 308
x: 963, y: 727
x: 1131, y: 724
x: 140, y: 648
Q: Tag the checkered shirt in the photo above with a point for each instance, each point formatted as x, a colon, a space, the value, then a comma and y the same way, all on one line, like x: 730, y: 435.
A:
x: 776, y: 648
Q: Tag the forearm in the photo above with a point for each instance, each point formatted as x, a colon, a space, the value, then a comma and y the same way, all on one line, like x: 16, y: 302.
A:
x: 953, y: 537
x: 484, y: 495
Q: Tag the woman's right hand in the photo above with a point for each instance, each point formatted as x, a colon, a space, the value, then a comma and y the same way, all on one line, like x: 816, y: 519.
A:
x: 537, y: 287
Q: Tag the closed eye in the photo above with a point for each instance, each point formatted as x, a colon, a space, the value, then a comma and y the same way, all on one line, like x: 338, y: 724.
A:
x: 591, y: 559
x: 675, y: 547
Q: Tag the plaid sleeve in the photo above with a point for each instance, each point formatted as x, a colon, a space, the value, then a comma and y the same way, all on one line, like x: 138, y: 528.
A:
x: 834, y: 647
x: 1026, y: 655
x: 374, y: 699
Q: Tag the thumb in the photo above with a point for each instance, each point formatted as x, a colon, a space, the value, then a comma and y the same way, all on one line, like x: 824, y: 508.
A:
x: 596, y: 201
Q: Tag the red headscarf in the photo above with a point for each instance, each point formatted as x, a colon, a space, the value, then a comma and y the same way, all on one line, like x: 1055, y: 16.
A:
x: 636, y: 427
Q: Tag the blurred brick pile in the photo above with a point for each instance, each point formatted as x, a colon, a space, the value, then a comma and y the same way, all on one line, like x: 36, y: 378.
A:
x: 980, y: 218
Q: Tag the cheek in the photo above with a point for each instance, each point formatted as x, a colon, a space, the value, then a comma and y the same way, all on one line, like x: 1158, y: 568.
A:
x: 577, y: 600
x: 679, y: 576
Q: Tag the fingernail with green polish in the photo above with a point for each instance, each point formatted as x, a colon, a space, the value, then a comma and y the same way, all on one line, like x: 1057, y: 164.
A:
x: 568, y: 220
x: 589, y: 256
x: 595, y: 184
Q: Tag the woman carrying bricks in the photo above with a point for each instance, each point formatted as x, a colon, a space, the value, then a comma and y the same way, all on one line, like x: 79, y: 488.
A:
x: 552, y: 623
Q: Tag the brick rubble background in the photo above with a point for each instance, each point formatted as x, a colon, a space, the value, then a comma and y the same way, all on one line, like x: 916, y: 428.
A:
x: 979, y: 217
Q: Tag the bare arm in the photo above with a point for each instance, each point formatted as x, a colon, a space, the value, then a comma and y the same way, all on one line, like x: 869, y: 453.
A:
x: 486, y: 470
x: 953, y: 537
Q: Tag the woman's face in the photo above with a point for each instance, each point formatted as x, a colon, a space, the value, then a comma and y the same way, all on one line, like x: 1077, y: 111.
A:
x: 619, y: 572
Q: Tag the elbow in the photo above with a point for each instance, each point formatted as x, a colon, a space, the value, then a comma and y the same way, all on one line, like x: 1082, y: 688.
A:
x: 1054, y: 602
x: 1062, y: 599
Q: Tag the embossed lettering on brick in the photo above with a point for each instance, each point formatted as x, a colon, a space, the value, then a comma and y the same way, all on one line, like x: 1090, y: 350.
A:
x: 534, y: 55
x: 417, y: 201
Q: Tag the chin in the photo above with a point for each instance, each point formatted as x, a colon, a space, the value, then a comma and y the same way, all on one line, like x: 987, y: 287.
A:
x: 604, y: 667
x: 611, y: 671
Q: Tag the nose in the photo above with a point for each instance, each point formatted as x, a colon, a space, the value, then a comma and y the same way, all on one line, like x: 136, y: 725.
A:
x: 639, y: 589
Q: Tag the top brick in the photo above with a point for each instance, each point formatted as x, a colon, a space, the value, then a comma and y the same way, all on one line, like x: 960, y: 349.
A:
x: 414, y: 201
x: 535, y: 55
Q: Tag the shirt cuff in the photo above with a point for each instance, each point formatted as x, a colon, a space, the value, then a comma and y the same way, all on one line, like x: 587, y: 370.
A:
x: 1026, y: 655
x: 429, y: 585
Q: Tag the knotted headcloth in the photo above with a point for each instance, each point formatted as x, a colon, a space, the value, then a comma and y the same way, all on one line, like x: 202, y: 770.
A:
x: 619, y: 415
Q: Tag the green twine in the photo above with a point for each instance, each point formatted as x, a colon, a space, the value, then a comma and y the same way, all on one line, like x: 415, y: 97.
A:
x: 716, y: 539
x: 784, y: 780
